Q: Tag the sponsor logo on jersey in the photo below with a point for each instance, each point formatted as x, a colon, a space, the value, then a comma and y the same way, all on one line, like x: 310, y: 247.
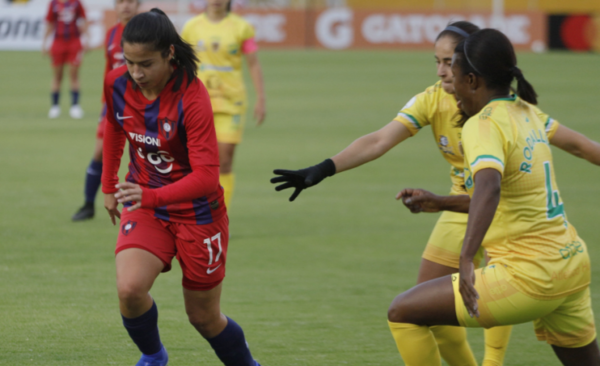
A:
x: 161, y: 160
x: 148, y: 140
x: 128, y: 227
x: 167, y: 127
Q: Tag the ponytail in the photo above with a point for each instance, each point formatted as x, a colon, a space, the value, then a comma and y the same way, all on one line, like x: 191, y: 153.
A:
x: 155, y: 29
x: 489, y: 54
x: 525, y: 90
x: 229, y: 6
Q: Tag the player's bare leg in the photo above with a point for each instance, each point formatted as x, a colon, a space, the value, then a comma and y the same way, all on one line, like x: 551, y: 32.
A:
x: 412, y: 312
x: 75, y: 111
x: 137, y: 270
x: 584, y: 356
x: 92, y: 183
x: 226, y: 176
x: 204, y: 311
x: 57, y: 75
x: 452, y: 341
x: 223, y: 334
x: 430, y: 270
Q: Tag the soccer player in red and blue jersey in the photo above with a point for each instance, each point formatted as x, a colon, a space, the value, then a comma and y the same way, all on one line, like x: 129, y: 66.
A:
x: 172, y: 197
x: 67, y: 22
x: 125, y: 10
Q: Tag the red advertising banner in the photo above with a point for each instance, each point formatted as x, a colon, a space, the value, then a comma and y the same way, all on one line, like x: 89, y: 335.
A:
x: 346, y: 28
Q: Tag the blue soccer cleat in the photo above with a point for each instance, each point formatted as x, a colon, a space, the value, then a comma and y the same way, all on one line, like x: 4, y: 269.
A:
x: 158, y: 359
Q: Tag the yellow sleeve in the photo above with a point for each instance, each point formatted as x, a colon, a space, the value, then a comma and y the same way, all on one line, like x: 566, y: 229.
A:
x: 551, y: 125
x: 416, y: 113
x: 484, y: 145
x: 247, y: 30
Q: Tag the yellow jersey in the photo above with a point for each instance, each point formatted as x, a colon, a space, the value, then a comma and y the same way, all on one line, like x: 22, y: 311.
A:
x: 530, y: 233
x: 437, y: 108
x: 219, y: 48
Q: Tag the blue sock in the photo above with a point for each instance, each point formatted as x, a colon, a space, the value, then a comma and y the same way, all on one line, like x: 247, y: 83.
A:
x: 143, y: 330
x: 55, y: 98
x: 75, y: 96
x: 230, y: 346
x: 93, y: 177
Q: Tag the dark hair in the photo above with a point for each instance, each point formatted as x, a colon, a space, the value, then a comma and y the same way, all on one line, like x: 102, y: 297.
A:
x: 489, y: 54
x: 463, y: 25
x: 155, y: 29
x: 229, y: 6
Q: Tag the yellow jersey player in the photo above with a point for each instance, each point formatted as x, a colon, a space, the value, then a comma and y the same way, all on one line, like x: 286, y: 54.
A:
x: 436, y: 106
x: 540, y: 269
x: 220, y: 39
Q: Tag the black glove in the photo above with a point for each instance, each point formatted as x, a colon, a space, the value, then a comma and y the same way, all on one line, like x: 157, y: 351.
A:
x: 303, y: 178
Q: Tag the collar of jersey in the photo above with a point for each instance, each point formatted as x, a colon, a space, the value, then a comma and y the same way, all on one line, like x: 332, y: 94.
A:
x: 213, y: 23
x: 512, y: 98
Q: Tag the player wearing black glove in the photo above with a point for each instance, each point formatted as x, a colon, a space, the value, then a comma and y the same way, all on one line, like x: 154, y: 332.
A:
x: 303, y: 178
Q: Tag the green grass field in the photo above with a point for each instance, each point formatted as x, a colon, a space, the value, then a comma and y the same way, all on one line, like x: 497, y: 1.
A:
x: 309, y: 281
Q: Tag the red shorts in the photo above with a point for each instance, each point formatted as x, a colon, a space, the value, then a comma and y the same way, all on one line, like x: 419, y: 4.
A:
x: 200, y: 249
x: 66, y: 52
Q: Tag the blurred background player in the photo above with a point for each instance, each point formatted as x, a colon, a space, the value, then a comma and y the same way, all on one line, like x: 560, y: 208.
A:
x: 66, y: 21
x: 125, y: 10
x: 539, y: 269
x: 173, y: 201
x: 436, y: 106
x: 220, y: 39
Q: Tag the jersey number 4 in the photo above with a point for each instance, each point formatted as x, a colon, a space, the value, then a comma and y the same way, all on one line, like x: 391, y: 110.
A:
x: 554, y: 204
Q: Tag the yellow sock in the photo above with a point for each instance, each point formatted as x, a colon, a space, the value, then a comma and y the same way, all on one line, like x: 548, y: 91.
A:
x: 453, y: 345
x: 496, y: 342
x: 228, y: 182
x: 415, y: 344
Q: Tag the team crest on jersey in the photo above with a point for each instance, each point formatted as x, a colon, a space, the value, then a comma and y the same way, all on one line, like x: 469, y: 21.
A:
x: 443, y: 145
x: 215, y: 46
x: 167, y: 127
x: 443, y: 141
x: 128, y: 227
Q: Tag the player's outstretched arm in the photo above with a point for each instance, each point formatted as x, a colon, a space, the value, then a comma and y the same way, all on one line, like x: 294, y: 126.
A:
x: 576, y: 144
x: 420, y: 200
x: 362, y: 150
x: 370, y: 147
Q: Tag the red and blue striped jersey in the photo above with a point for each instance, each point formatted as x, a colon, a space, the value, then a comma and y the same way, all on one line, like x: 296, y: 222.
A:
x: 64, y: 16
x: 173, y: 149
x: 114, y: 52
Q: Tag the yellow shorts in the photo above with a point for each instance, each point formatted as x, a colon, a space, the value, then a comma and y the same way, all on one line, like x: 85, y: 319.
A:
x: 446, y: 240
x: 565, y: 322
x: 229, y: 127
